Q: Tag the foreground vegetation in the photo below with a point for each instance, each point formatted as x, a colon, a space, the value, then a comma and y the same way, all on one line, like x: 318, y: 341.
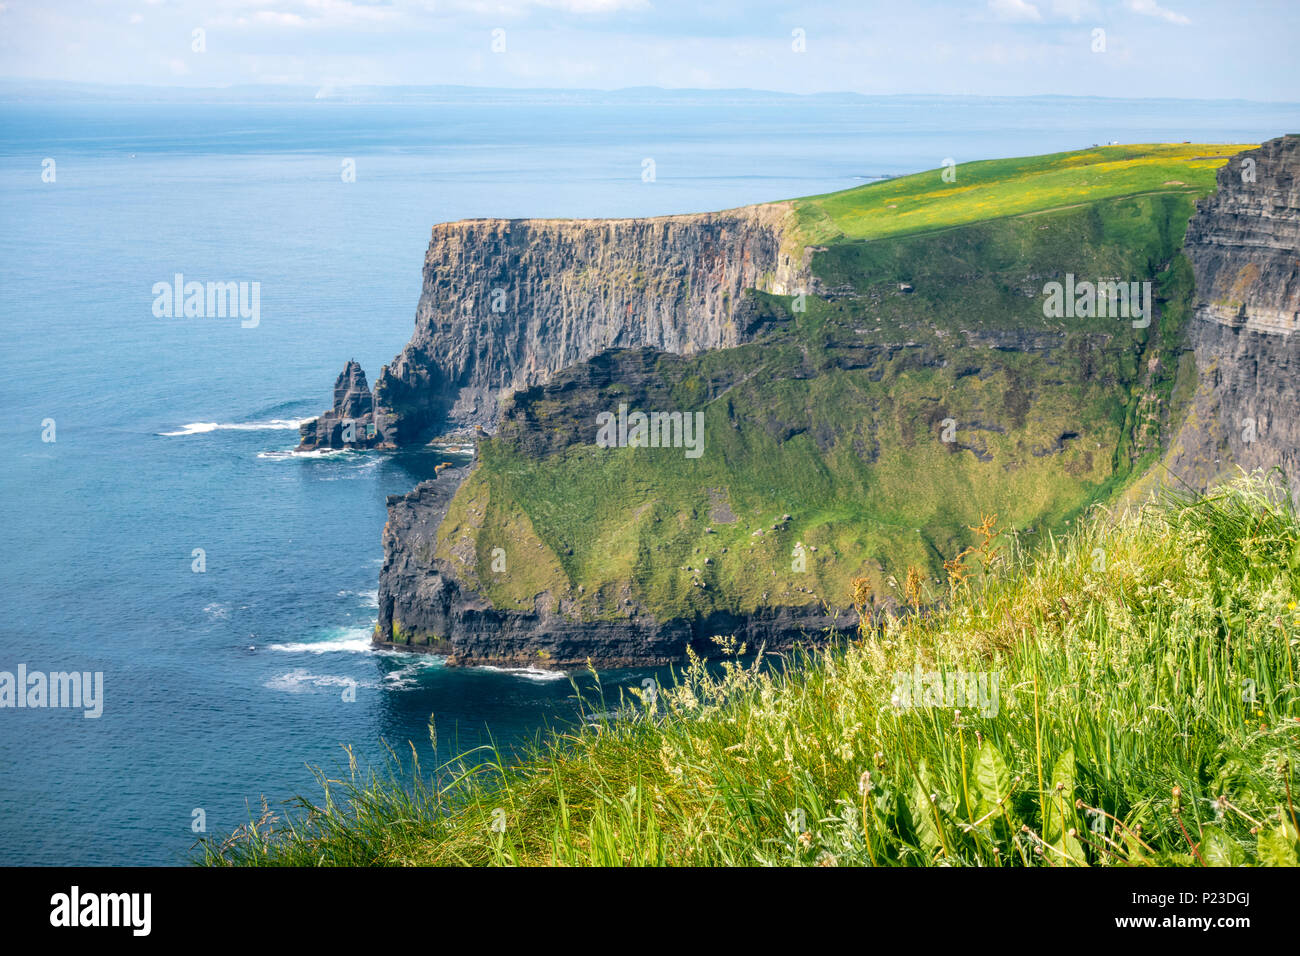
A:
x: 1146, y: 714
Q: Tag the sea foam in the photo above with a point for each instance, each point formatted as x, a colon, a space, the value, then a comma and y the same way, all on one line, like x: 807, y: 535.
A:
x: 202, y: 428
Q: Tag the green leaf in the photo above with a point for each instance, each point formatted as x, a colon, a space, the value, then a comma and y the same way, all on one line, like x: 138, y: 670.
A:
x: 923, y: 812
x: 1058, y: 805
x: 1072, y: 848
x: 1218, y: 849
x: 1277, y: 846
x: 992, y: 781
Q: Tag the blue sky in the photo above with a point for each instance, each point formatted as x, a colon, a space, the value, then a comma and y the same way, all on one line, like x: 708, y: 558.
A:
x: 1179, y: 48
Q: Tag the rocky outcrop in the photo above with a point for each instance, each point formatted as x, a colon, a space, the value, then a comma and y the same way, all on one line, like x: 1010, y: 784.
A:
x: 508, y: 303
x: 350, y: 423
x: 1244, y: 246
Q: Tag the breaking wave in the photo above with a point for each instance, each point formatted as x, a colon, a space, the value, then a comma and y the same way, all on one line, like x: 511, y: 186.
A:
x: 202, y: 428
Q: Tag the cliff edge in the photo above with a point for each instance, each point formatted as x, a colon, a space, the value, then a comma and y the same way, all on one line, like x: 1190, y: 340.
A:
x: 508, y: 303
x: 1244, y: 246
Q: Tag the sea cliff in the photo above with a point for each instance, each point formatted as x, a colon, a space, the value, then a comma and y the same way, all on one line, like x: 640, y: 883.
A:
x: 866, y: 403
x: 1244, y: 246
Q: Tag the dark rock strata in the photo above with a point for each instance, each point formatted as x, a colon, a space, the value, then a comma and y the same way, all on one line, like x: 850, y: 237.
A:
x: 1244, y: 246
x: 508, y: 303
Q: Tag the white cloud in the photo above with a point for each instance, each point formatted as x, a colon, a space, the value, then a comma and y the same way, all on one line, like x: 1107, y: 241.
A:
x: 1149, y: 8
x: 932, y: 46
x: 593, y: 6
x: 1014, y: 10
x: 1074, y: 10
x: 513, y: 8
x: 308, y: 14
x: 278, y: 18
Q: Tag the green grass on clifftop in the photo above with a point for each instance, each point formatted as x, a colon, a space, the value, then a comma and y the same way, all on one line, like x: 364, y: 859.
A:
x: 997, y: 188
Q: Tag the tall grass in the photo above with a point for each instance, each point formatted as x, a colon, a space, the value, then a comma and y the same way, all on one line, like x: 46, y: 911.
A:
x: 1146, y: 714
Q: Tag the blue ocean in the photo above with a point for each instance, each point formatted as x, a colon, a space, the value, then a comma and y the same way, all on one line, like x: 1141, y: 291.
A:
x: 136, y: 444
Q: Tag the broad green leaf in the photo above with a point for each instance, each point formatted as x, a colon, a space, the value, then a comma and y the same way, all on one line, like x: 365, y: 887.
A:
x: 1277, y: 846
x: 923, y: 812
x: 992, y: 781
x: 1218, y: 849
x: 1072, y: 848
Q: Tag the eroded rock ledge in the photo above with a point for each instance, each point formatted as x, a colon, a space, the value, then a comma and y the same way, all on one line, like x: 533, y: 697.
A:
x: 423, y: 606
x: 350, y: 422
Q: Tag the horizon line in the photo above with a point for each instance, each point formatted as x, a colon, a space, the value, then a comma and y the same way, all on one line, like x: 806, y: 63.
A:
x: 337, y: 91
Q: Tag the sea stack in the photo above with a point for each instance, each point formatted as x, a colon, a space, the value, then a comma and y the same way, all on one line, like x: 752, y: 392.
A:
x: 351, y: 421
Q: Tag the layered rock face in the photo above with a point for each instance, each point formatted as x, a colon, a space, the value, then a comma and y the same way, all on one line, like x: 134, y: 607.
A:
x: 1244, y: 246
x: 350, y: 422
x: 508, y: 303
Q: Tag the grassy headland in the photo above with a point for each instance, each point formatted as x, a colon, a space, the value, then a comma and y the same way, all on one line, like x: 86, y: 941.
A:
x: 835, y: 415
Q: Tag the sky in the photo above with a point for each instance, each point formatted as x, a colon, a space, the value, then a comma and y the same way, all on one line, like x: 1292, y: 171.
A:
x: 1151, y: 48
